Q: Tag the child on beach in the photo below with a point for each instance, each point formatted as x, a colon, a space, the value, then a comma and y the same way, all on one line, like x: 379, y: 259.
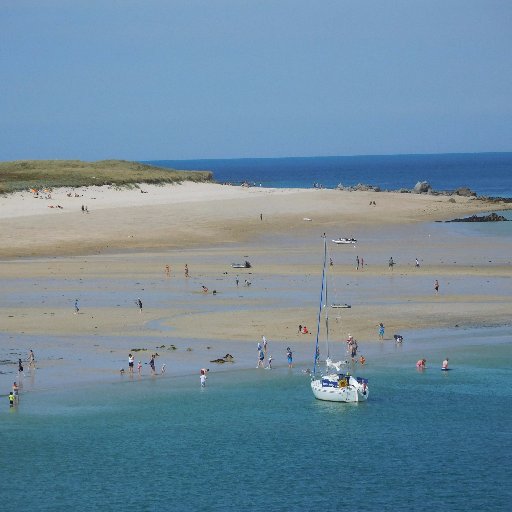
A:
x: 381, y: 331
x: 289, y: 356
x: 12, y: 399
x: 269, y: 363
x: 139, y: 368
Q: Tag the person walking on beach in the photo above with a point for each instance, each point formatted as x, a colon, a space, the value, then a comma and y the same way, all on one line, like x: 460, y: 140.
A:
x: 264, y: 343
x: 436, y: 287
x: 20, y: 367
x: 77, y: 309
x: 139, y: 304
x: 261, y: 357
x: 186, y: 270
x: 289, y: 356
x: 357, y: 262
x: 167, y: 271
x: 381, y: 331
x: 391, y: 263
x: 31, y: 359
x: 131, y: 361
x: 417, y: 263
x: 362, y: 263
x: 237, y: 281
x: 300, y: 329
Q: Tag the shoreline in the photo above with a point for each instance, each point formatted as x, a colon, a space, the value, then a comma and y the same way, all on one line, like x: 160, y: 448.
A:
x: 92, y: 257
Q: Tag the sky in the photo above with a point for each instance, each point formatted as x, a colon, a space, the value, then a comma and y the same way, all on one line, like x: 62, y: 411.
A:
x: 172, y: 79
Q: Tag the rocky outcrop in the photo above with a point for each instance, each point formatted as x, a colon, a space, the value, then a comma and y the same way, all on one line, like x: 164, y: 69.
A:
x: 465, y: 192
x: 493, y: 217
x: 422, y: 187
x: 228, y: 358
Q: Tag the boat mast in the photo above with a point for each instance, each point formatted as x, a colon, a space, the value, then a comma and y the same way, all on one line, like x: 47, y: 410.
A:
x: 320, y: 305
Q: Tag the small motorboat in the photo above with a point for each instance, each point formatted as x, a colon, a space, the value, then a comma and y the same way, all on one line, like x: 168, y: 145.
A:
x: 345, y: 241
x: 341, y: 306
x: 245, y: 264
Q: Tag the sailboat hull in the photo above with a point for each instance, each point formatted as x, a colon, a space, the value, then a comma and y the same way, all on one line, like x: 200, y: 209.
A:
x: 345, y: 394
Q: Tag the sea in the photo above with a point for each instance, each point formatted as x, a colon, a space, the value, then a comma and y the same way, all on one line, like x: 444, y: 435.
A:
x: 487, y: 174
x: 257, y: 440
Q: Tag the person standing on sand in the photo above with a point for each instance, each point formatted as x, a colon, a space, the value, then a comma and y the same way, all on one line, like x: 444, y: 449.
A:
x: 31, y: 359
x: 391, y: 263
x: 381, y: 331
x: 362, y: 263
x: 139, y: 303
x: 261, y: 357
x: 77, y: 309
x: 436, y: 287
x: 186, y: 270
x: 357, y: 262
x: 417, y: 263
x: 261, y: 216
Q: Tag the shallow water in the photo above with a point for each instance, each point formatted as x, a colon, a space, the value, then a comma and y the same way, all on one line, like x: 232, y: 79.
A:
x: 258, y: 440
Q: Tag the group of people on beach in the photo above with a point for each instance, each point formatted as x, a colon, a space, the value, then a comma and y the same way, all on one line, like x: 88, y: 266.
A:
x: 262, y: 354
x: 14, y: 395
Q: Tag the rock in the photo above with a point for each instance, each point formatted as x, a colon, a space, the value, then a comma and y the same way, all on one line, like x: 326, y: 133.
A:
x: 493, y: 217
x: 422, y: 187
x: 465, y: 192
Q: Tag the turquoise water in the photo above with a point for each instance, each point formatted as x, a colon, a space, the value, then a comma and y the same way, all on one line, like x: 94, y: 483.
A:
x: 258, y: 440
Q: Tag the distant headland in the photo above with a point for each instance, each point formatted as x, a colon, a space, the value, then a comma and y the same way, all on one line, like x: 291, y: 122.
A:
x: 38, y: 174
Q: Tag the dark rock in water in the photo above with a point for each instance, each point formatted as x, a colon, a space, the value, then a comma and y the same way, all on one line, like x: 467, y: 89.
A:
x: 422, y: 187
x: 228, y: 358
x: 465, y: 192
x: 493, y: 217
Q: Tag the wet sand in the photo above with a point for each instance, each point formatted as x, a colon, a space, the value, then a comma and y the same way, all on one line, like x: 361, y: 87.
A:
x: 117, y: 253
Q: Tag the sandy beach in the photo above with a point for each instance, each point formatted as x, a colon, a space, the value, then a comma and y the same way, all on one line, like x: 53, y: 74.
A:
x: 53, y: 253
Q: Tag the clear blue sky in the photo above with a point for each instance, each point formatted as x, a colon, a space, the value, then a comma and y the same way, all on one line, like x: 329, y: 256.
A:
x: 172, y: 79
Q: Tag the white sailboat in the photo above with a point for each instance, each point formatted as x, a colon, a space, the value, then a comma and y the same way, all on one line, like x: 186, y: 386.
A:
x: 335, y: 384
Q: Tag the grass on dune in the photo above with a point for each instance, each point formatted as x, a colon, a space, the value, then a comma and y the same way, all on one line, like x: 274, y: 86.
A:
x: 39, y: 174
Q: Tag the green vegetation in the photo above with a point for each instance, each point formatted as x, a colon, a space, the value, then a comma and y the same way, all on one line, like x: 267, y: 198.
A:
x: 39, y: 174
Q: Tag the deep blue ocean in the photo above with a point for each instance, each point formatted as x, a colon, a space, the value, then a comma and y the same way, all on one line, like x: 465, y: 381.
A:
x: 487, y: 174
